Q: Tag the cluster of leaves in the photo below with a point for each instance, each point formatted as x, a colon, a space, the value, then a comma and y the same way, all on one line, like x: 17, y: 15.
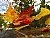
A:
x: 23, y: 18
x: 18, y: 19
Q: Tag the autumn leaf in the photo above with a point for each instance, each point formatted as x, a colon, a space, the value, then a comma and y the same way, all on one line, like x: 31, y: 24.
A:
x: 18, y: 28
x: 10, y: 14
x: 26, y: 13
x: 43, y: 13
x: 24, y: 16
x: 47, y: 22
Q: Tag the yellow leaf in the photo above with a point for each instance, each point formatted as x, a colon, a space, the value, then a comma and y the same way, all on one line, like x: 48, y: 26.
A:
x: 18, y: 28
x: 10, y: 14
x: 43, y: 13
x: 47, y: 22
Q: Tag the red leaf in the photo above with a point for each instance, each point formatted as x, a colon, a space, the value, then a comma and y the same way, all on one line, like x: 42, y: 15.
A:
x: 24, y: 15
x: 26, y: 21
x: 27, y: 12
x: 45, y: 30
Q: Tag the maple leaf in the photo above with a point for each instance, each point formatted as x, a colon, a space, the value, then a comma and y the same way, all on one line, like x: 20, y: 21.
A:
x: 26, y: 13
x: 24, y: 16
x: 10, y: 14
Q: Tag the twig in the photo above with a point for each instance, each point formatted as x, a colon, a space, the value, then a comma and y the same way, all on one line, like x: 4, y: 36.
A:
x: 23, y: 34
